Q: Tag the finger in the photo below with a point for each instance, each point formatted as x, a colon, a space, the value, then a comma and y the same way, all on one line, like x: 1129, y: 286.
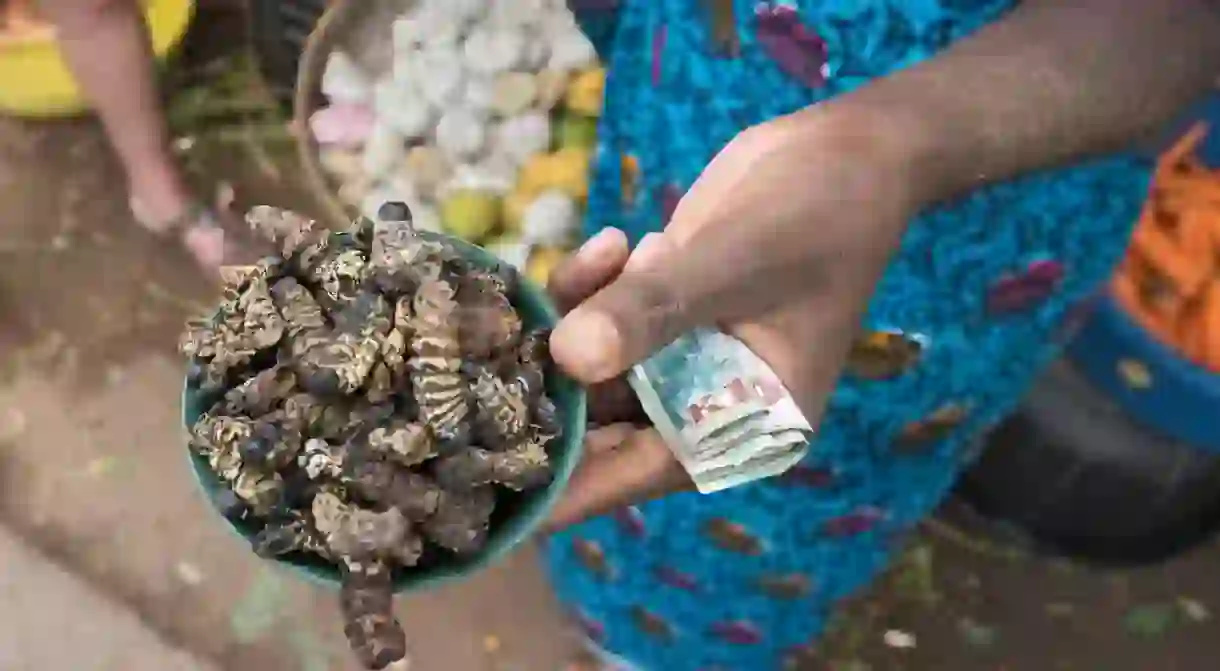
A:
x: 592, y: 267
x: 606, y: 438
x: 665, y: 292
x: 640, y: 469
x: 648, y: 254
x: 614, y: 401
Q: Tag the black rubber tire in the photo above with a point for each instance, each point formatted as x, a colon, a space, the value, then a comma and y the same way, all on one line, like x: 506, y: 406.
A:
x: 1080, y: 479
x: 278, y: 30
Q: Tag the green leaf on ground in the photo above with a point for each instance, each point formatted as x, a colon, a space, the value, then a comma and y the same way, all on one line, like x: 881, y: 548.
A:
x: 976, y: 634
x: 1151, y: 620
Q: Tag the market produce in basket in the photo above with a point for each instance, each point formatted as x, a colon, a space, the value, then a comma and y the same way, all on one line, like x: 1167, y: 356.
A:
x: 374, y: 395
x: 1169, y: 281
x: 483, y: 119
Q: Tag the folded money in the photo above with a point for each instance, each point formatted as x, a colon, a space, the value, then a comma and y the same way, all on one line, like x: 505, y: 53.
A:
x: 723, y: 412
x: 754, y: 469
x: 747, y: 448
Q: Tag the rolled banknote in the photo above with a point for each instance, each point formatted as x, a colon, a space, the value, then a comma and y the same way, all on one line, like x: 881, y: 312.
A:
x: 724, y: 413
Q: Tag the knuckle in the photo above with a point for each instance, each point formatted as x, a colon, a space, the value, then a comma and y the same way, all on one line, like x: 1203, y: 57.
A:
x: 658, y: 308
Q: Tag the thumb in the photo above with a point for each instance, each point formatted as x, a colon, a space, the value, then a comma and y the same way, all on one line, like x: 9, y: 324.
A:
x: 659, y: 295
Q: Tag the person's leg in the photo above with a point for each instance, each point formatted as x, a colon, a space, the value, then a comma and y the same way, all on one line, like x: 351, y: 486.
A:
x: 106, y: 45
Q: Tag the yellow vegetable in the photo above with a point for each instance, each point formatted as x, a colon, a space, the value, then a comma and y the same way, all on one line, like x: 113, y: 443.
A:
x: 542, y: 261
x: 514, y: 208
x: 537, y: 174
x: 566, y: 170
x: 470, y: 214
x: 585, y: 92
x: 577, y: 130
x: 572, y: 171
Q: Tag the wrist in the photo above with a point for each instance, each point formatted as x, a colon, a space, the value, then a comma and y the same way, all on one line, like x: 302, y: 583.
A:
x: 892, y: 149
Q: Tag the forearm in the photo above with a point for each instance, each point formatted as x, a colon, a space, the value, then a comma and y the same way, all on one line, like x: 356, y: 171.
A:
x: 1054, y: 81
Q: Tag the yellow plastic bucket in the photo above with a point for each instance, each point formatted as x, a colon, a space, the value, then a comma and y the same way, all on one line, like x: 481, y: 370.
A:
x: 35, y: 82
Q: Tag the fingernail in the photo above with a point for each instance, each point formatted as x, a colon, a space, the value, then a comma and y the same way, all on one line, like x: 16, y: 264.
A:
x: 586, y: 343
x: 601, y: 243
x: 645, y: 254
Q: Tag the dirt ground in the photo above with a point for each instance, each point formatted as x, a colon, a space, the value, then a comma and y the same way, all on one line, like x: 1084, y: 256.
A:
x: 92, y: 468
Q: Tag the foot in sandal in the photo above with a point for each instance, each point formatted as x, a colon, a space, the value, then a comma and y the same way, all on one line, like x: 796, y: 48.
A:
x: 201, y: 232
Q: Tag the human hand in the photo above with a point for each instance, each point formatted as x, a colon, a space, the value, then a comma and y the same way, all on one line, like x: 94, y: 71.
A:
x: 779, y: 242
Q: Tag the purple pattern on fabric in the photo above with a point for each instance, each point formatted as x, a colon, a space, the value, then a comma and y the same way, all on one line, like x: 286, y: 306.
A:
x: 671, y: 576
x: 737, y: 633
x: 659, y: 37
x: 1077, y: 316
x: 797, y: 50
x: 1025, y: 290
x: 631, y: 521
x: 591, y: 628
x: 807, y: 476
x: 859, y: 521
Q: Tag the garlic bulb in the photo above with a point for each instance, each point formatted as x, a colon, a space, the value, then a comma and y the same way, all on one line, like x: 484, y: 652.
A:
x: 428, y: 168
x: 536, y: 54
x: 468, y: 11
x: 493, y: 50
x: 522, y: 136
x: 517, y: 13
x: 439, y: 76
x: 553, y: 219
x: 344, y: 82
x: 479, y: 94
x: 460, y: 134
x: 570, y: 48
x: 457, y: 121
x: 513, y: 93
x: 426, y: 26
x: 493, y: 175
x: 383, y: 151
x: 401, y: 108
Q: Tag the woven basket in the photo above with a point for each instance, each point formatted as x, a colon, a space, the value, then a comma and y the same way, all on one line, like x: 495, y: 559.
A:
x: 337, y: 24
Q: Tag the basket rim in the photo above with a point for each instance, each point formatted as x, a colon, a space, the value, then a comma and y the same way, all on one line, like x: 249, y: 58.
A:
x: 321, y: 40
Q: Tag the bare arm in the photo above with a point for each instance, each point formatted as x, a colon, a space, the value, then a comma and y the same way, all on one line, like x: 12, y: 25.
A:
x: 1054, y: 81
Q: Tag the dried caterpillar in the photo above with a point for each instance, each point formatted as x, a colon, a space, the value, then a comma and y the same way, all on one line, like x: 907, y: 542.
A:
x: 440, y: 391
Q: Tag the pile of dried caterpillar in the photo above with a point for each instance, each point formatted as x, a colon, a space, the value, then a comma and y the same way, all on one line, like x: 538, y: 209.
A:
x: 375, y: 394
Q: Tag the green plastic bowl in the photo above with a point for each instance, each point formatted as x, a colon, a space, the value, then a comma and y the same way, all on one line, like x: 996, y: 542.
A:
x: 517, y: 515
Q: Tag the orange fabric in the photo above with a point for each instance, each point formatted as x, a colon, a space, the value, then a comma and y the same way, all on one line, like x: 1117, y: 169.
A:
x: 1170, y: 280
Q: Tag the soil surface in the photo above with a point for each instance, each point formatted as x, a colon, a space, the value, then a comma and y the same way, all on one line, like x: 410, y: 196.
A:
x: 92, y: 469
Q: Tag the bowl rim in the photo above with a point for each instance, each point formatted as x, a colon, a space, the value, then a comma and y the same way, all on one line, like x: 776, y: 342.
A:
x: 1180, y: 403
x: 511, y: 533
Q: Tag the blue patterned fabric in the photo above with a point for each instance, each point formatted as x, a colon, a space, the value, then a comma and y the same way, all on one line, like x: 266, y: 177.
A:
x: 744, y: 580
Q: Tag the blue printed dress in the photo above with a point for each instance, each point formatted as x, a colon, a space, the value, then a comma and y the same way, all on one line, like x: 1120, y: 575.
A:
x: 968, y: 311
